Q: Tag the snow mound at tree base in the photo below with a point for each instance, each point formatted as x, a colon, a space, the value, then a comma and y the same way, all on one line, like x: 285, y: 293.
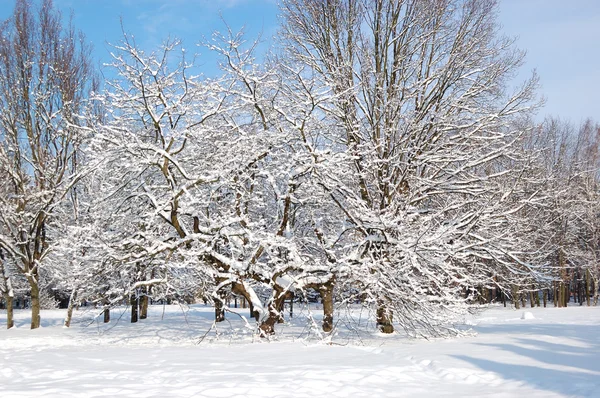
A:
x: 527, y: 315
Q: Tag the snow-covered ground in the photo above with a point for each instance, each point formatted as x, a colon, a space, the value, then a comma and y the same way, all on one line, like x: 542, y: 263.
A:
x: 547, y: 353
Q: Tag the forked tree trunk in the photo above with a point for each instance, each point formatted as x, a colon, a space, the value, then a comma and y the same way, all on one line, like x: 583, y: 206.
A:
x: 72, y: 301
x: 240, y: 289
x: 134, y: 308
x: 267, y: 326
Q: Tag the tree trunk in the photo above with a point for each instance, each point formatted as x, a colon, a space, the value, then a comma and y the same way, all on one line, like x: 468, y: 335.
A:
x: 240, y: 289
x: 134, y: 308
x: 564, y: 290
x: 384, y: 319
x: 587, y: 286
x: 545, y: 296
x: 281, y: 310
x: 9, y: 311
x: 253, y: 314
x: 561, y: 294
x: 144, y: 307
x: 595, y: 290
x: 35, y: 304
x: 8, y: 293
x: 532, y: 299
x: 327, y: 298
x: 515, y: 297
x: 523, y: 301
x: 106, y: 313
x: 267, y: 327
x: 219, y: 308
x: 72, y: 301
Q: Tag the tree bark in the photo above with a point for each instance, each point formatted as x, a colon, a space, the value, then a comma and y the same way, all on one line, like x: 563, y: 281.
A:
x: 281, y: 309
x: 219, y: 307
x: 72, y: 301
x: 587, y: 286
x: 545, y: 296
x: 8, y: 293
x: 384, y: 319
x: 595, y: 290
x: 267, y: 326
x: 35, y: 304
x: 515, y: 297
x: 240, y: 289
x: 106, y: 313
x: 134, y: 308
x: 327, y: 298
x: 9, y: 311
x: 532, y: 299
x: 561, y: 292
x: 144, y: 306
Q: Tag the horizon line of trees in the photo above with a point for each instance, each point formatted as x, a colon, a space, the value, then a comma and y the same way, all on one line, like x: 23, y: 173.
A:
x: 378, y: 154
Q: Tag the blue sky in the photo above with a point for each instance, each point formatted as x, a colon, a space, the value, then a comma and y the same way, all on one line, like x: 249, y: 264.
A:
x: 562, y: 37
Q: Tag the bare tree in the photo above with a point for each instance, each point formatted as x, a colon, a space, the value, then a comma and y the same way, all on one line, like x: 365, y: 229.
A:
x: 420, y: 112
x: 568, y: 221
x: 45, y: 76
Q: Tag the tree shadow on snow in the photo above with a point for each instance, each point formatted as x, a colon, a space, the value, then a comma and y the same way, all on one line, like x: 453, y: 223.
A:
x: 572, y: 370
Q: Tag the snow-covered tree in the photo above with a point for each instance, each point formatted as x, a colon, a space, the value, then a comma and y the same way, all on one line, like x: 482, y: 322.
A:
x: 45, y: 76
x: 568, y: 221
x: 420, y: 113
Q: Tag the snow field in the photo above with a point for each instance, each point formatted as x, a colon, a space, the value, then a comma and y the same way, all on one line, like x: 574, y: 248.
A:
x: 550, y: 353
